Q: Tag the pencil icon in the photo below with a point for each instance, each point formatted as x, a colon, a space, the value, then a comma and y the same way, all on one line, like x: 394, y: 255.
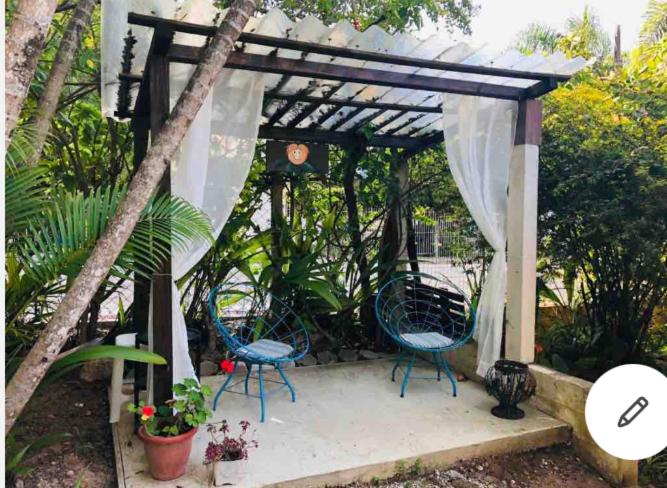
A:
x: 633, y: 411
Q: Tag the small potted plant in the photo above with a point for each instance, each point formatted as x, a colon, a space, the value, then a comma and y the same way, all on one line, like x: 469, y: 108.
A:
x: 227, y: 454
x: 167, y: 430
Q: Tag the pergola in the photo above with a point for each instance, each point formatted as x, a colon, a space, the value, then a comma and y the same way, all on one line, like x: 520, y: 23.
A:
x: 311, y: 111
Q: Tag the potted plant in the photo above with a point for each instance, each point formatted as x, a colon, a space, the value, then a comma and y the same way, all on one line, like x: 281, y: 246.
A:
x: 227, y: 454
x: 167, y: 431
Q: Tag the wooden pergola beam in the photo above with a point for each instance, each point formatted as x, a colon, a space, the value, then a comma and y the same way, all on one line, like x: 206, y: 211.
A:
x: 425, y: 143
x: 339, y: 102
x: 350, y: 74
x: 403, y: 125
x: 343, y: 52
x: 309, y: 110
x: 338, y: 138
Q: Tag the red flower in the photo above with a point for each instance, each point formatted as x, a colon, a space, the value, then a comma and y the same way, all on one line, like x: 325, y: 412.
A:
x: 539, y: 348
x: 227, y: 366
x: 147, y: 412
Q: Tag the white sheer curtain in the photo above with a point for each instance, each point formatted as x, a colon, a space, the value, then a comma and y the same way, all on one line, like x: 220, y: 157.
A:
x: 215, y: 156
x: 210, y: 173
x: 479, y: 136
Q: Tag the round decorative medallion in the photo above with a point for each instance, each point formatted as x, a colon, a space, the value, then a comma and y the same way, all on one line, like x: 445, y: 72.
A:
x: 297, y: 153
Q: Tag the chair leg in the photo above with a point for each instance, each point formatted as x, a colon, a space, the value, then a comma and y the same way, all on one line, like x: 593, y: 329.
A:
x: 261, y: 392
x: 450, y: 375
x: 224, y: 385
x: 436, y: 360
x: 398, y: 363
x: 287, y: 382
x: 407, y: 374
x: 248, y: 368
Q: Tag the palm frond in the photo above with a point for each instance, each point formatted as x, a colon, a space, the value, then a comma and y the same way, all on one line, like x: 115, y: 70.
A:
x: 655, y: 22
x: 60, y: 240
x: 24, y: 196
x: 20, y: 146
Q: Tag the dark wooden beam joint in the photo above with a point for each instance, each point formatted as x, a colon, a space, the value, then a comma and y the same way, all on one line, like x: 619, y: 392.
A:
x: 529, y: 123
x: 163, y: 35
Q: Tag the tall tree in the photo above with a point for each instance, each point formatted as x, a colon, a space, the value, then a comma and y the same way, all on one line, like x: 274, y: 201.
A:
x: 145, y: 181
x: 585, y: 37
x: 23, y: 44
x: 62, y: 63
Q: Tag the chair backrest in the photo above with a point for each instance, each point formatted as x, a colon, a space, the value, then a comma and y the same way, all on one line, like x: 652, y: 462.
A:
x: 417, y: 302
x: 244, y: 315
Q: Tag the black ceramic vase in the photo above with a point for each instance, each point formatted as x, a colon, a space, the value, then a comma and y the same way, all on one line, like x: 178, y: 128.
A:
x: 509, y: 382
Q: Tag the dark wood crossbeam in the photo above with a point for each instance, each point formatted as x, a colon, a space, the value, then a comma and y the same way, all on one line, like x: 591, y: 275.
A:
x: 368, y: 119
x: 330, y: 113
x: 373, y: 116
x: 338, y: 138
x: 131, y: 77
x: 344, y: 118
x: 339, y: 102
x: 279, y: 86
x: 387, y: 121
x: 281, y: 110
x: 410, y: 120
x: 324, y: 116
x: 414, y: 130
x: 341, y: 52
x: 312, y: 108
x: 310, y: 69
x: 425, y: 142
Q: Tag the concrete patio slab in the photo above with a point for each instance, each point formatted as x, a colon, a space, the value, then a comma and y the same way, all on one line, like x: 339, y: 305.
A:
x: 349, y: 423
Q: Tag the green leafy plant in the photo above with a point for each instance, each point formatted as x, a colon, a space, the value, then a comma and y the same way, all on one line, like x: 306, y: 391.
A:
x: 16, y: 456
x: 77, y: 357
x: 603, y: 208
x: 654, y: 469
x: 49, y: 235
x: 179, y: 415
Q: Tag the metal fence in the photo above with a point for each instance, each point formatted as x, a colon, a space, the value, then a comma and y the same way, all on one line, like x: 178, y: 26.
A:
x: 444, y: 244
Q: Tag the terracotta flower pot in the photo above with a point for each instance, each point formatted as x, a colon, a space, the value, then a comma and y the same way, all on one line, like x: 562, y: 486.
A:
x: 167, y: 456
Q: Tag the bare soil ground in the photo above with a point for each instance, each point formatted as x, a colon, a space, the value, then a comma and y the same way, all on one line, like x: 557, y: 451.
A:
x: 80, y: 409
x: 554, y: 467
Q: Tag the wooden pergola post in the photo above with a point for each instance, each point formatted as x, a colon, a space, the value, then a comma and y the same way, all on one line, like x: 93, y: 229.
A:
x: 522, y: 234
x: 158, y: 75
x: 142, y: 285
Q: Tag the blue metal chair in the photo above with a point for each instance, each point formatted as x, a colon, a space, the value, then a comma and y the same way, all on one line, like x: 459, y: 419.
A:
x: 424, y: 314
x: 258, y: 329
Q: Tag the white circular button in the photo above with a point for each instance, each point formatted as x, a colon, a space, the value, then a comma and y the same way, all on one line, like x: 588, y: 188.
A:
x: 626, y: 412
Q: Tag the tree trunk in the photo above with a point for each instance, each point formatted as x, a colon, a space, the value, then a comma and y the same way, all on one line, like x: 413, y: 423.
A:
x: 618, y: 55
x: 24, y: 41
x: 48, y: 100
x: 143, y: 183
x: 351, y: 162
x: 395, y: 244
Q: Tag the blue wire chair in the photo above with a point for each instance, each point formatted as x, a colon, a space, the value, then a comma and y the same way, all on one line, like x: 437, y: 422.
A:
x: 258, y: 329
x: 424, y: 314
